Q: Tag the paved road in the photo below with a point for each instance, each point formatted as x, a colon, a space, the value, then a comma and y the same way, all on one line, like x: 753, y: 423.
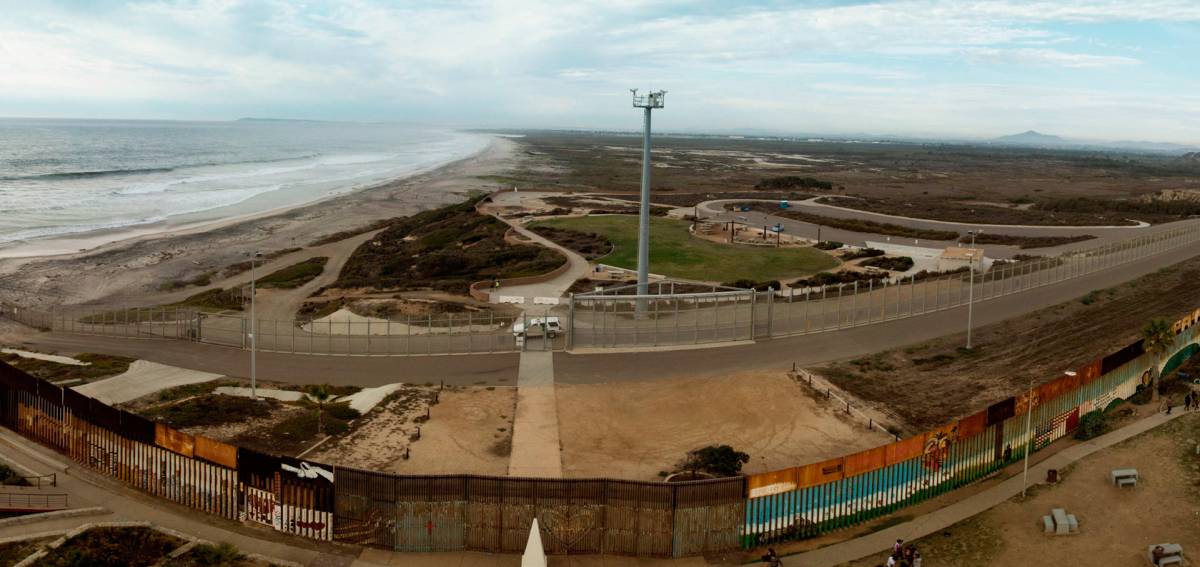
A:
x: 714, y: 210
x: 824, y: 347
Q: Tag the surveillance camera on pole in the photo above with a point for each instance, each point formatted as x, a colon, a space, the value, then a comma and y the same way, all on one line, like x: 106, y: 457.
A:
x: 654, y: 99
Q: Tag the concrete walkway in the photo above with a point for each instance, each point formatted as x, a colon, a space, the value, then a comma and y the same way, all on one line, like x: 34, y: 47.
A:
x: 557, y: 287
x: 536, y: 450
x: 143, y: 378
x: 940, y: 519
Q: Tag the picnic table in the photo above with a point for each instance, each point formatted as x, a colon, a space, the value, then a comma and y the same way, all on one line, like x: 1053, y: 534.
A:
x: 1125, y: 477
x: 1059, y: 522
x: 1172, y: 553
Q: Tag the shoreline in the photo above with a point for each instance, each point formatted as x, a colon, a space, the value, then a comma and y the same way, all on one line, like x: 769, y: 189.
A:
x: 91, y: 240
x: 129, y: 269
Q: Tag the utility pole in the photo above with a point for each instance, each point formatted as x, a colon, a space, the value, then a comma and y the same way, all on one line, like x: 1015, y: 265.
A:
x: 253, y: 329
x: 654, y: 99
x: 971, y: 287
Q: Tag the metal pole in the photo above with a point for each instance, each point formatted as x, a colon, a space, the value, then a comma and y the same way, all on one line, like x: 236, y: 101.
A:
x: 253, y: 331
x: 971, y: 292
x: 1028, y: 439
x: 643, y: 266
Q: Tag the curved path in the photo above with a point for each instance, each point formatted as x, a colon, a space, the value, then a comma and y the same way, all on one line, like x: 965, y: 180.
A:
x: 1104, y: 235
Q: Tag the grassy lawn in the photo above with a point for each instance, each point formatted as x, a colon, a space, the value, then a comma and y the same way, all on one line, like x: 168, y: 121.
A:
x: 676, y: 253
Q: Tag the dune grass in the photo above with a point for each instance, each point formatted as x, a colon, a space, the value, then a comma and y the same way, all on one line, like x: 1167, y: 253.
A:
x: 676, y: 253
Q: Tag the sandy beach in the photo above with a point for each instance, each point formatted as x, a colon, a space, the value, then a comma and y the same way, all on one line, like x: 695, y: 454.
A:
x: 129, y: 271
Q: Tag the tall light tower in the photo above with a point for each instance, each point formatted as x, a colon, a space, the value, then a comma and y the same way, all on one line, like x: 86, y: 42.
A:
x: 654, y: 99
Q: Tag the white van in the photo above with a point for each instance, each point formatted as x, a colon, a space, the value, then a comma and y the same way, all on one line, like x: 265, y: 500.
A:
x: 538, y: 326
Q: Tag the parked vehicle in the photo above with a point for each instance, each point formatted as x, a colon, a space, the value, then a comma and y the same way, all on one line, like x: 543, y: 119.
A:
x: 538, y: 326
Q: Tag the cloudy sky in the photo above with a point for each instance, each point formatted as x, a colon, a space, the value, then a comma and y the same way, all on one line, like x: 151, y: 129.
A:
x: 964, y: 68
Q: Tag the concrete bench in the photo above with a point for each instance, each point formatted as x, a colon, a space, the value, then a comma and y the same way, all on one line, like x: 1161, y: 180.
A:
x: 1047, y: 524
x: 1073, y: 523
x: 1173, y: 554
x: 1124, y: 477
x: 1061, y: 525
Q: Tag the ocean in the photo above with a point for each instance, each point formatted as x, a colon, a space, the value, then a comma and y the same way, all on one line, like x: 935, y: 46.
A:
x: 70, y: 177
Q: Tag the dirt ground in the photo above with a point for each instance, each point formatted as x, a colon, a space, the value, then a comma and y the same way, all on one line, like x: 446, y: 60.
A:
x: 927, y: 384
x: 467, y: 432
x: 1115, y: 525
x: 973, y: 183
x: 635, y: 430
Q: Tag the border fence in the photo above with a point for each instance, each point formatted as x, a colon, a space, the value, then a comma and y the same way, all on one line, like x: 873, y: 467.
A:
x: 493, y: 514
x: 611, y: 319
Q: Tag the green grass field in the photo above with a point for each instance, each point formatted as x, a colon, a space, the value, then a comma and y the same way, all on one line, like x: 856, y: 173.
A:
x: 676, y: 253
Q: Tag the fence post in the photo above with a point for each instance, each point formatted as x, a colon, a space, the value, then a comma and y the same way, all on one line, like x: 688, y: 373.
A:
x: 854, y: 307
x: 571, y: 320
x: 770, y: 310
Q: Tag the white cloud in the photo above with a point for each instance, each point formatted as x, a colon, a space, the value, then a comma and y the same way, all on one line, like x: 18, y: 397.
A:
x: 554, y: 63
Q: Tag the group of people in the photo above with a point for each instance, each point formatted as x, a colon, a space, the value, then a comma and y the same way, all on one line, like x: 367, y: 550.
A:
x: 1191, y: 401
x: 904, y: 555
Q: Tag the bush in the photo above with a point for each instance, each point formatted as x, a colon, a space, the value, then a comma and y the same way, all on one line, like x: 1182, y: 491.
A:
x: 1093, y: 424
x: 828, y: 245
x: 863, y: 253
x: 719, y: 460
x: 754, y: 285
x: 210, y: 410
x: 1090, y: 297
x: 209, y: 555
x: 900, y: 264
x: 1142, y: 395
x: 342, y: 411
x: 295, y: 275
x: 112, y: 546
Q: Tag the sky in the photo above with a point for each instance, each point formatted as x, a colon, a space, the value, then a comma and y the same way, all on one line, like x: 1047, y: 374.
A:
x: 1097, y: 70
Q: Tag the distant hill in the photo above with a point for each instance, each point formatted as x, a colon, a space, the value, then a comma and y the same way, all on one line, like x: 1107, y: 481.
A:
x: 1032, y: 138
x: 1035, y: 139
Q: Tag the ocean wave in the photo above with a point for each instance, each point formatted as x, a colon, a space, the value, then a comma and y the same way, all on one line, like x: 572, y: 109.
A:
x: 143, y: 170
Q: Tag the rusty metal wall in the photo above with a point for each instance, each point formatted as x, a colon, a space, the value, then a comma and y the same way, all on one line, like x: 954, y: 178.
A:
x: 576, y: 516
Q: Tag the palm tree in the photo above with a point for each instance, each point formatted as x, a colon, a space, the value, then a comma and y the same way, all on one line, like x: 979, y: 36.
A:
x: 320, y: 393
x: 1157, y: 338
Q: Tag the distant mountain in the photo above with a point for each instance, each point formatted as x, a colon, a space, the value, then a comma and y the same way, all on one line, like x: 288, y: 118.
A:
x: 1032, y: 138
x: 252, y: 119
x: 1035, y: 139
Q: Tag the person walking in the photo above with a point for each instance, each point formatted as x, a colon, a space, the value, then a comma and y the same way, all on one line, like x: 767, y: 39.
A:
x: 1187, y: 402
x: 771, y: 558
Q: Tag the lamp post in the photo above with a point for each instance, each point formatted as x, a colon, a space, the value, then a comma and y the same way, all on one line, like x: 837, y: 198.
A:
x: 648, y: 102
x: 1028, y: 437
x: 971, y: 286
x: 253, y: 328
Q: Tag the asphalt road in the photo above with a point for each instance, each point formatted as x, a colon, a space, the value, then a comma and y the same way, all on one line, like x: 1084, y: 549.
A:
x: 755, y: 219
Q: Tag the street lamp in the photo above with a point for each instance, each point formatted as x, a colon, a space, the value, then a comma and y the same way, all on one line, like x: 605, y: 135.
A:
x: 253, y: 328
x: 971, y: 286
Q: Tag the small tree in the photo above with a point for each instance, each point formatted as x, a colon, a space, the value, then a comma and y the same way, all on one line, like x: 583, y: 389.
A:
x: 1157, y: 338
x: 320, y: 393
x: 719, y: 460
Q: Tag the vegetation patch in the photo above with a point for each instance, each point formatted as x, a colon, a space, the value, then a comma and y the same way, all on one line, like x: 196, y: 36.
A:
x: 590, y: 245
x: 14, y: 552
x: 445, y: 249
x: 200, y: 280
x: 211, y: 555
x: 210, y: 410
x: 101, y: 366
x: 717, y: 460
x: 1026, y: 242
x: 676, y: 253
x: 893, y: 263
x: 863, y: 253
x: 112, y: 547
x: 295, y: 275
x: 793, y: 182
x: 245, y: 265
x: 215, y: 300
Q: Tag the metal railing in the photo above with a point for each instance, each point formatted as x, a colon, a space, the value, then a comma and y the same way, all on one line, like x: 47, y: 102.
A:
x: 10, y: 501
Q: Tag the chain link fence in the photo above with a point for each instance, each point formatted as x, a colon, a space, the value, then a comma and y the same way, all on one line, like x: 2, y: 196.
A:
x: 606, y: 320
